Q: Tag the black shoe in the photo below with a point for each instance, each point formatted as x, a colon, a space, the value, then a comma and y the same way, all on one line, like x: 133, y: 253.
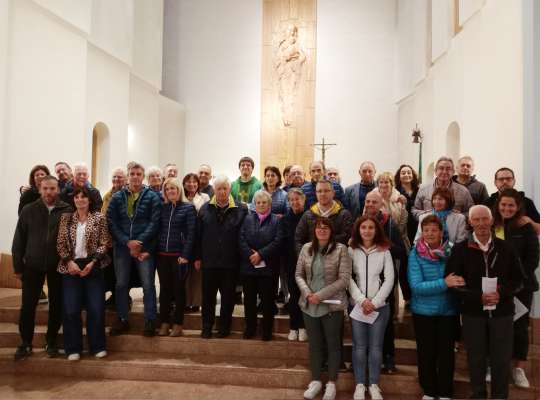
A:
x: 266, y: 337
x: 206, y: 334
x: 43, y: 298
x: 285, y: 309
x: 223, y: 334
x: 389, y: 370
x: 248, y: 334
x: 238, y: 299
x: 52, y: 350
x: 119, y: 327
x: 23, y: 351
x: 280, y: 298
x: 130, y: 303
x: 195, y: 309
x: 149, y: 328
x: 111, y: 303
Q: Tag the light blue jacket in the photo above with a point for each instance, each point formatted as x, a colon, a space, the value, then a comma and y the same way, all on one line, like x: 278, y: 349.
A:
x: 430, y: 295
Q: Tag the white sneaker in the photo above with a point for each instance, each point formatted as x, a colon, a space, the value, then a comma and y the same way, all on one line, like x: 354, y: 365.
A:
x: 359, y: 392
x: 101, y: 354
x: 426, y: 397
x: 302, y: 335
x: 520, y: 379
x: 313, y: 389
x: 488, y: 374
x: 375, y: 392
x: 330, y: 392
x: 74, y: 357
x: 293, y: 335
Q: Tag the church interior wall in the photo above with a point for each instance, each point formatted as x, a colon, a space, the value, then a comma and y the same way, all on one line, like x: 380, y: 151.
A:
x: 354, y: 90
x: 478, y: 84
x: 171, y: 133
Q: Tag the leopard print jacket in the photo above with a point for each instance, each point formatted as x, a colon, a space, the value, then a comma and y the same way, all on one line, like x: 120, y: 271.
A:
x: 98, y: 240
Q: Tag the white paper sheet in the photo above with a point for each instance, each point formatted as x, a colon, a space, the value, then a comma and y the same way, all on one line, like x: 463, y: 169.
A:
x: 330, y: 301
x: 519, y: 309
x: 489, y: 285
x: 262, y: 264
x: 358, y: 314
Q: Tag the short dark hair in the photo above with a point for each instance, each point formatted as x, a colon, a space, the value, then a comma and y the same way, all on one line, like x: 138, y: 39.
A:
x: 397, y: 178
x: 188, y: 177
x: 62, y: 162
x: 287, y: 169
x: 276, y: 171
x: 447, y: 195
x: 85, y: 193
x: 331, y: 240
x: 513, y: 194
x: 380, y: 238
x: 36, y: 168
x: 247, y: 159
x: 431, y: 219
x: 505, y: 169
x: 50, y: 178
x: 325, y: 182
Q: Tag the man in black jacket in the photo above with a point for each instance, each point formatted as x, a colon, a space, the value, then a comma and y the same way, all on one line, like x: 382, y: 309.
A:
x: 34, y: 258
x: 487, y: 315
x: 218, y: 254
x: 80, y: 179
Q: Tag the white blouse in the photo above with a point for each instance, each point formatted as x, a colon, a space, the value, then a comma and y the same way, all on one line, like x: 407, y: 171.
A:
x: 80, y: 242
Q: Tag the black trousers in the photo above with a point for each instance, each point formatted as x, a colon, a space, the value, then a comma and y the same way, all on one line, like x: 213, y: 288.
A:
x: 172, y: 287
x: 435, y: 351
x: 296, y: 319
x: 32, y: 285
x: 225, y: 281
x: 521, y: 328
x: 489, y: 338
x: 264, y: 287
x: 389, y: 348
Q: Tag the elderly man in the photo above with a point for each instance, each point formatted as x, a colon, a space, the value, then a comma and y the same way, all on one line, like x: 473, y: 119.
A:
x: 317, y: 172
x: 373, y: 208
x: 205, y: 175
x: 133, y: 217
x: 35, y: 258
x: 465, y: 177
x: 246, y: 185
x: 80, y: 179
x: 325, y: 206
x: 218, y: 255
x: 487, y: 309
x: 444, y: 170
x: 297, y: 178
x: 333, y: 175
x: 63, y: 173
x: 355, y: 195
x: 505, y: 179
x: 170, y: 171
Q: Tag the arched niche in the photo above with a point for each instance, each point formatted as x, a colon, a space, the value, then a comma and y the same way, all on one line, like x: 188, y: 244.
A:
x: 430, y: 173
x: 453, y: 141
x: 100, y: 155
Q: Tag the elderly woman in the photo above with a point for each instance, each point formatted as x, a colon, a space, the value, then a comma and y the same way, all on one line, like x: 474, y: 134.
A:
x: 83, y: 240
x: 193, y: 195
x: 434, y: 309
x: 297, y: 200
x: 510, y: 227
x: 31, y: 193
x: 406, y: 181
x: 323, y: 273
x: 454, y: 223
x: 155, y: 180
x: 260, y: 244
x: 176, y: 238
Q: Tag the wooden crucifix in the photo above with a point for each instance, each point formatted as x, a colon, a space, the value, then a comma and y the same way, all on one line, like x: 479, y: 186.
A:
x: 323, y: 147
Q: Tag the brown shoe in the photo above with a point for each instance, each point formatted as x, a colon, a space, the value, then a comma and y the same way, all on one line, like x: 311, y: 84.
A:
x: 164, y: 329
x: 176, y: 331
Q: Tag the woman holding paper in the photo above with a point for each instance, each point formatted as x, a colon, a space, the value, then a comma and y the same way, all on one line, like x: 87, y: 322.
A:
x: 434, y: 309
x: 374, y: 272
x: 260, y: 244
x: 511, y: 226
x: 323, y: 272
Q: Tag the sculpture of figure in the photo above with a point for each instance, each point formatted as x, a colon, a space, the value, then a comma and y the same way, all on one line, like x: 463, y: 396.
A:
x: 288, y: 64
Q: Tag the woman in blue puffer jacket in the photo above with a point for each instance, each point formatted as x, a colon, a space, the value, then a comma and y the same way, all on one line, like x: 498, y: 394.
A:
x: 434, y: 309
x: 176, y: 238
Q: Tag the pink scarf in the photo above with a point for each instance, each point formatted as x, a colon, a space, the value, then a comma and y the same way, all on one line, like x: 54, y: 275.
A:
x: 262, y: 217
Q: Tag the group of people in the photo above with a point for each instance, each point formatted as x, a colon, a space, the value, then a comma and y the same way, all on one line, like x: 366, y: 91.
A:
x: 455, y: 251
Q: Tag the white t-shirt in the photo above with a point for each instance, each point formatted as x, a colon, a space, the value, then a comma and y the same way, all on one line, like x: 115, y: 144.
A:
x: 80, y: 242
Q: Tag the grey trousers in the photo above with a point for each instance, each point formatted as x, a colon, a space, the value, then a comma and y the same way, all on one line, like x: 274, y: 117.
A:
x: 489, y: 338
x: 326, y: 329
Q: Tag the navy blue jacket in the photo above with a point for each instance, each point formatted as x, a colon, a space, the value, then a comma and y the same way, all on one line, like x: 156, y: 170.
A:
x: 288, y: 227
x: 67, y: 196
x: 311, y: 198
x: 265, y: 238
x: 144, y: 225
x: 177, y: 229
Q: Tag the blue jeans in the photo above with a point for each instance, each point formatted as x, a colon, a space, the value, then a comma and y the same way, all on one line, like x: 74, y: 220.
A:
x: 90, y: 292
x: 147, y: 271
x: 368, y: 346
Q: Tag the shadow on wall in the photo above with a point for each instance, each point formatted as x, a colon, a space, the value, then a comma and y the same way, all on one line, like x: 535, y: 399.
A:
x: 453, y: 141
x: 100, y: 155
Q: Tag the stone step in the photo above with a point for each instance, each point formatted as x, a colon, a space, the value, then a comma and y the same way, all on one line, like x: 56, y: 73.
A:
x: 213, y: 370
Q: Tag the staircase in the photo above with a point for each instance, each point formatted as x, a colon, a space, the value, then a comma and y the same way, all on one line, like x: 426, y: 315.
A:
x: 278, y: 364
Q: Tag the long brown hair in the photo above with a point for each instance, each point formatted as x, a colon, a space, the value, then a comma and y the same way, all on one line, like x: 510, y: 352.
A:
x: 323, y: 221
x: 380, y: 239
x: 512, y: 194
